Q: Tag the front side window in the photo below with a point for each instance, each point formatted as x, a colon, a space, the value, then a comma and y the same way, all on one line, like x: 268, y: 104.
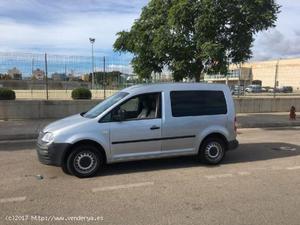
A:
x: 101, y: 107
x: 197, y: 103
x: 145, y: 106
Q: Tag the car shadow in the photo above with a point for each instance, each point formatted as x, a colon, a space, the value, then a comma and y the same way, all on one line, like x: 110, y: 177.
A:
x: 249, y: 152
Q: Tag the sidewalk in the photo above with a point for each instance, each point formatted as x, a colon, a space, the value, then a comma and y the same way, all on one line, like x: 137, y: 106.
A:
x: 261, y: 120
x: 29, y: 129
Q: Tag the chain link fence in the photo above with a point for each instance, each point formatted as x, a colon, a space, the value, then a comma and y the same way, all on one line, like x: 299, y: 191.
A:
x: 46, y: 76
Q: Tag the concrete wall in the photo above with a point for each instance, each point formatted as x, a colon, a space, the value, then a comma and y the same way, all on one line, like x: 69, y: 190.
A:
x: 39, y: 109
x: 57, y: 94
x: 263, y: 105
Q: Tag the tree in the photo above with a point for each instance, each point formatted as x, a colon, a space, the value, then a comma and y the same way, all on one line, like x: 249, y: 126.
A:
x: 192, y: 36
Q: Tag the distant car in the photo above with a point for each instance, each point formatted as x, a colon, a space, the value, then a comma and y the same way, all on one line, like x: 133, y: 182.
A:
x: 271, y: 90
x: 286, y: 89
x: 237, y: 90
x: 266, y: 89
x: 253, y: 89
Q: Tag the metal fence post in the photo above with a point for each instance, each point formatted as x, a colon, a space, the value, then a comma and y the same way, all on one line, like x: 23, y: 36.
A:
x: 32, y: 66
x: 104, y: 78
x: 46, y: 73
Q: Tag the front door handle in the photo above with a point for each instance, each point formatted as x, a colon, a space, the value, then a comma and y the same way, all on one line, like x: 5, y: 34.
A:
x: 154, y: 127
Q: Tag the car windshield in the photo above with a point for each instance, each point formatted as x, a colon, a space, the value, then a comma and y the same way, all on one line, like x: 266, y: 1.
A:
x: 101, y: 107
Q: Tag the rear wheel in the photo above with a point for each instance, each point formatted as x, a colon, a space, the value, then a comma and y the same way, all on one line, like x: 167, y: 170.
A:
x: 84, y: 161
x: 212, y: 151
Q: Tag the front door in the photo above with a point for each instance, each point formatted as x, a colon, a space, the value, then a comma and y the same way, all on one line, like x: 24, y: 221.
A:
x: 138, y: 133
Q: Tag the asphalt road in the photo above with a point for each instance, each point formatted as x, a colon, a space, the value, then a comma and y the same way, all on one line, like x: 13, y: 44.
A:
x: 257, y: 184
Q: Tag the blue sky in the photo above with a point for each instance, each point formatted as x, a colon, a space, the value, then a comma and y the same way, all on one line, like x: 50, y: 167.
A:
x: 63, y: 27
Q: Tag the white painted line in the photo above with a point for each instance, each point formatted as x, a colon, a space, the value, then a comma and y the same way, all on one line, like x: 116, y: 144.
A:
x: 124, y: 186
x: 219, y: 176
x: 244, y: 173
x: 293, y: 168
x: 16, y: 199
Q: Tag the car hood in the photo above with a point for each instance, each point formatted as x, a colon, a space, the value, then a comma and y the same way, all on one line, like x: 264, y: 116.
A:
x: 67, y: 122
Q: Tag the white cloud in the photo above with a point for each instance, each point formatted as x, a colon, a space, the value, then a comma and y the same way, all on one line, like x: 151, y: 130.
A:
x: 73, y: 33
x: 66, y: 29
x: 282, y: 41
x: 63, y: 27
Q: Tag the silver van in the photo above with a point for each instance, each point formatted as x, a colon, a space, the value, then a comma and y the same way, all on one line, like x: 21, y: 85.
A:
x: 143, y: 122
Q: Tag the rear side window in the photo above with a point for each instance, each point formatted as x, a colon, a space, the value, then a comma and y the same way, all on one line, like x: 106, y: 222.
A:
x: 197, y: 103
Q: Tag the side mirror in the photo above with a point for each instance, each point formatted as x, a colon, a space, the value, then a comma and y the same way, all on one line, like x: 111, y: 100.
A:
x: 119, y: 116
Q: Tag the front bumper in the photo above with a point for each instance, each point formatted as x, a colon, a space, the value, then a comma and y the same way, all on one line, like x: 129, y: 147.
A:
x: 233, y: 144
x: 52, y: 154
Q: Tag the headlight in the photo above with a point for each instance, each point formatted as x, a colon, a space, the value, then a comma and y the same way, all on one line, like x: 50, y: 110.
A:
x: 48, y: 137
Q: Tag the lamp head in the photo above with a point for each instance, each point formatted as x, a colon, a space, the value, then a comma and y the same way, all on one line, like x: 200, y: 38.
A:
x: 92, y: 40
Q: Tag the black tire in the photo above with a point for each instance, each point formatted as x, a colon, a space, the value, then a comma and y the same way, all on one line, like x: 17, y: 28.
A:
x: 212, y: 151
x: 84, y: 161
x: 65, y: 168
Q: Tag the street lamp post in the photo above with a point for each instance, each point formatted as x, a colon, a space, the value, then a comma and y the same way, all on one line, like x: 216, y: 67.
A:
x: 92, y: 41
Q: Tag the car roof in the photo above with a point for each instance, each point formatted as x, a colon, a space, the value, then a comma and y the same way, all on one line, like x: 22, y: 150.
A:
x: 158, y: 87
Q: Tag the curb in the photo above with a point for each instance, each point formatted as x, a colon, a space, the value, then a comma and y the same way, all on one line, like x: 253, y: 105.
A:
x: 266, y: 125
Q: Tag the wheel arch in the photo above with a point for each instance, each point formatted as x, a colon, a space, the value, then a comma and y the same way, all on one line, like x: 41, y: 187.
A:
x: 214, y: 135
x: 85, y: 141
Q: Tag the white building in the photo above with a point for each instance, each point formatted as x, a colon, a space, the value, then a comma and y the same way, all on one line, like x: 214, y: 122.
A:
x: 38, y: 74
x: 15, y: 74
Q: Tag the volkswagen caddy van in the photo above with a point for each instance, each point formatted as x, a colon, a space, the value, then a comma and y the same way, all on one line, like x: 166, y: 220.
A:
x: 143, y: 122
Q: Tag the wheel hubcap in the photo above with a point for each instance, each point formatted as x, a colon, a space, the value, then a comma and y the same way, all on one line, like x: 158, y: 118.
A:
x: 214, y: 150
x: 85, y: 162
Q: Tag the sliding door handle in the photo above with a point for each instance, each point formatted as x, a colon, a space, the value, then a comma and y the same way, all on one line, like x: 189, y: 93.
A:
x: 154, y: 127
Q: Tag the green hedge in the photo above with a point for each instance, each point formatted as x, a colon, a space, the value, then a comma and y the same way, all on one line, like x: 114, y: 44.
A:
x: 7, y: 94
x: 81, y: 93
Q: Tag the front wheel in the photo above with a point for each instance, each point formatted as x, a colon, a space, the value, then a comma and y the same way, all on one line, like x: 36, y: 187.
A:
x: 84, y: 161
x: 212, y: 151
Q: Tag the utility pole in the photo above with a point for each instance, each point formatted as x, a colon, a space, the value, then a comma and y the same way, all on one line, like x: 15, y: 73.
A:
x: 228, y: 62
x: 276, y: 77
x: 46, y: 73
x: 92, y: 41
x: 240, y: 72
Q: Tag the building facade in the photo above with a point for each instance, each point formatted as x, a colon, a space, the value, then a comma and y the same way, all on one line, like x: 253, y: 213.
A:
x: 283, y: 72
x: 14, y: 74
x: 38, y: 74
x: 235, y: 76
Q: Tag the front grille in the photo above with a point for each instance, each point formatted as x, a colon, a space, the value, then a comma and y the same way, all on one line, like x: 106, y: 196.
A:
x: 43, y: 153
